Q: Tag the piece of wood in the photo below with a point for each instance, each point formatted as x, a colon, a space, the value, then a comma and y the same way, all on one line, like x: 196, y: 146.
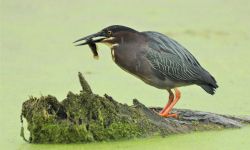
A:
x: 87, y: 117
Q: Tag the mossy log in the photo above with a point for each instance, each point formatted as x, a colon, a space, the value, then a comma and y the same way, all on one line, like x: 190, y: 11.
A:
x: 87, y: 117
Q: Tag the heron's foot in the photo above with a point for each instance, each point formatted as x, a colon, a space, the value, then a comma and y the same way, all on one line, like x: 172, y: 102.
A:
x: 174, y: 115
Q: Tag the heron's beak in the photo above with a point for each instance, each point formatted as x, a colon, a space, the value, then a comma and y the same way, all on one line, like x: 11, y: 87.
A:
x: 93, y: 38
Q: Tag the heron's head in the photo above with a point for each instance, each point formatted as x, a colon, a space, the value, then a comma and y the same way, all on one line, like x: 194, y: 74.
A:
x: 112, y: 36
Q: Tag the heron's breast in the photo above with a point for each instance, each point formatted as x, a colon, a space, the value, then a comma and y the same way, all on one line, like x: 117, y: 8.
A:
x: 126, y: 59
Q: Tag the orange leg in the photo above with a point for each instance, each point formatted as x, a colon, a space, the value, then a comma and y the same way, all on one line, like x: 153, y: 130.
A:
x: 166, y: 112
x: 170, y: 100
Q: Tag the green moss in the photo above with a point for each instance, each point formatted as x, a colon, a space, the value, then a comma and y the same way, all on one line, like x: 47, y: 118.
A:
x: 87, y: 117
x: 59, y: 133
x: 81, y: 118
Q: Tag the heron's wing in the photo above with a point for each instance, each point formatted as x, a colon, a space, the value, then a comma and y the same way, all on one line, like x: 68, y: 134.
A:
x: 166, y: 65
x: 162, y: 43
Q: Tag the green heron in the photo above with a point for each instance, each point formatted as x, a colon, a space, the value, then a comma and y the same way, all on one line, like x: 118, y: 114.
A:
x: 155, y: 59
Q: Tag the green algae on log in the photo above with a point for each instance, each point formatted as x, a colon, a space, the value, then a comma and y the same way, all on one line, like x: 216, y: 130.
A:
x: 87, y: 117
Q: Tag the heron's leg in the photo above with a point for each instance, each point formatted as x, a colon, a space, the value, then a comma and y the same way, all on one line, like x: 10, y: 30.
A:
x: 166, y: 113
x: 170, y: 100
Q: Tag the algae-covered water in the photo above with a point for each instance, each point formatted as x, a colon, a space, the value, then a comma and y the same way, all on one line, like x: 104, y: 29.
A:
x: 37, y: 57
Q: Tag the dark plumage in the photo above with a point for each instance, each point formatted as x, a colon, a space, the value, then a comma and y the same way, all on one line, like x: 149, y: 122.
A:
x: 156, y: 59
x: 171, y: 60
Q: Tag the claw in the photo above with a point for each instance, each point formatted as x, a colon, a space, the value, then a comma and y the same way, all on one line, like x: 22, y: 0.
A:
x: 169, y: 115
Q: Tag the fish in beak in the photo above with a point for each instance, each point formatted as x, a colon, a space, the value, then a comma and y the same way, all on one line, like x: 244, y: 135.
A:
x: 91, y: 41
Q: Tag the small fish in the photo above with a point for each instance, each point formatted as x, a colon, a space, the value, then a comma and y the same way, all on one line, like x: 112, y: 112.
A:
x: 93, y: 48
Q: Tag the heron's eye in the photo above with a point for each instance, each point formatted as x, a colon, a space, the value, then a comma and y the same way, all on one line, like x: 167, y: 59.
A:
x: 109, y: 33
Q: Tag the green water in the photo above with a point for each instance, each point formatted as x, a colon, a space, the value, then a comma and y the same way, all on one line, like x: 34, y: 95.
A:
x: 37, y: 58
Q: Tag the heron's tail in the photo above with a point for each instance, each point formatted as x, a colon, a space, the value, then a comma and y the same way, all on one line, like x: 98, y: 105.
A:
x: 209, y: 89
x: 210, y: 85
